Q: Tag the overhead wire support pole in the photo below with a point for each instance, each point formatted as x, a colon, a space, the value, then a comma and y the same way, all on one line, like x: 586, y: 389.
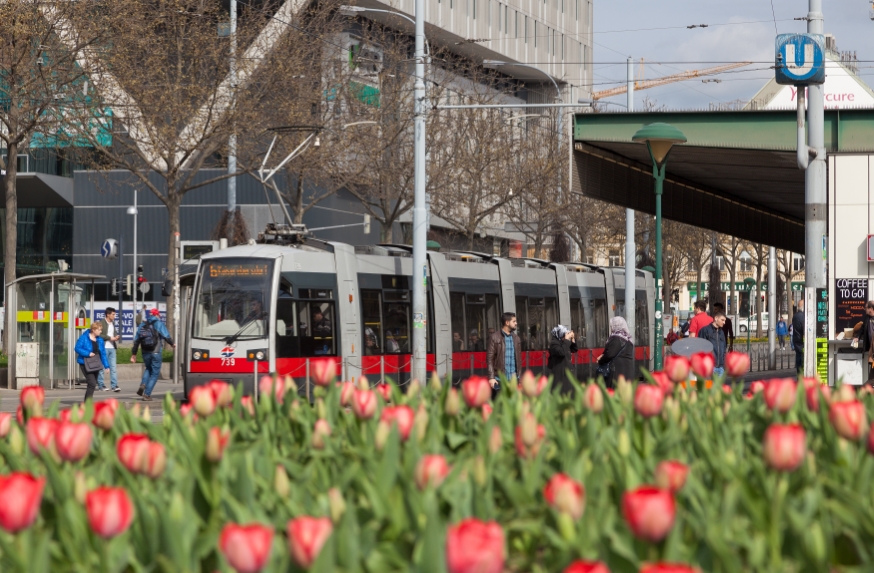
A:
x: 630, y: 250
x: 420, y: 218
x: 232, y: 140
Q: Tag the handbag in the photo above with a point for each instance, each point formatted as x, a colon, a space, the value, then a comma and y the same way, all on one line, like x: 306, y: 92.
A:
x: 606, y: 370
x: 93, y: 364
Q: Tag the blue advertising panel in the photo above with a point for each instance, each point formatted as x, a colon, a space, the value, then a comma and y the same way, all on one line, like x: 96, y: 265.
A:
x: 800, y: 59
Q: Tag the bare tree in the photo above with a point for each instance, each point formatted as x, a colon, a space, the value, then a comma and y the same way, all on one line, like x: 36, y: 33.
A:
x: 591, y: 223
x: 759, y: 255
x: 731, y: 248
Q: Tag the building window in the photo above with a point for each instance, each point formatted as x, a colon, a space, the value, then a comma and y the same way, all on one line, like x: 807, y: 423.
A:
x: 720, y: 263
x: 746, y: 263
x: 797, y: 264
x: 615, y: 258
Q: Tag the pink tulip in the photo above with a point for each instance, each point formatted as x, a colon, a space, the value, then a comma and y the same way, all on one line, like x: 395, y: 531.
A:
x: 73, y: 441
x: 669, y: 568
x: 270, y: 386
x: 703, y: 364
x: 664, y: 382
x: 648, y: 400
x: 848, y: 419
x: 363, y: 404
x: 527, y: 447
x: 737, y: 364
x: 323, y: 371
x: 649, y: 512
x: 594, y: 398
x: 133, y: 452
x: 216, y: 442
x: 384, y: 390
x: 20, y: 498
x: 32, y: 398
x: 403, y: 415
x: 104, y: 414
x: 222, y: 392
x: 156, y: 460
x: 677, y: 368
x: 72, y: 414
x: 247, y: 404
x: 671, y: 475
x: 757, y: 386
x: 486, y: 412
x: 780, y: 394
x: 306, y: 537
x: 202, y: 400
x: 41, y: 434
x: 5, y: 424
x: 347, y: 389
x: 321, y: 433
x: 784, y: 446
x: 474, y: 546
x: 431, y: 471
x: 476, y: 391
x: 587, y: 567
x: 246, y: 548
x: 496, y: 441
x: 565, y: 495
x: 110, y: 511
x: 811, y: 394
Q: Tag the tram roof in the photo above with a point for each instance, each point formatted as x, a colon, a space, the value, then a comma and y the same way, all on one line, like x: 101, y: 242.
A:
x: 60, y: 277
x: 736, y: 174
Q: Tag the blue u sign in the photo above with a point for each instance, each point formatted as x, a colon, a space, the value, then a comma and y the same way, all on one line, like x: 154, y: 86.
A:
x: 800, y: 59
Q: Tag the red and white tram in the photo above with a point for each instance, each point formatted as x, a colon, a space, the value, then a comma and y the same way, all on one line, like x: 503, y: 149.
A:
x: 274, y: 306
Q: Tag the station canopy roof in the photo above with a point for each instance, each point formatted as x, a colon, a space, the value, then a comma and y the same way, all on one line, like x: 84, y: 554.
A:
x: 736, y: 174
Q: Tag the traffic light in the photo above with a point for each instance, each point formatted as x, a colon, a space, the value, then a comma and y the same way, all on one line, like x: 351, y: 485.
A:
x: 114, y: 287
x: 167, y: 288
x: 140, y: 278
x: 129, y: 287
x: 367, y: 224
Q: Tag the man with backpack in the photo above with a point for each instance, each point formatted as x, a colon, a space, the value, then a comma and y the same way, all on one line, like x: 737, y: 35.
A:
x: 150, y: 335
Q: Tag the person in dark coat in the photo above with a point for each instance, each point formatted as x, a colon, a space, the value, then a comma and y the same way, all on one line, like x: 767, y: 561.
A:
x: 864, y: 337
x: 562, y: 347
x: 619, y: 351
x: 798, y: 337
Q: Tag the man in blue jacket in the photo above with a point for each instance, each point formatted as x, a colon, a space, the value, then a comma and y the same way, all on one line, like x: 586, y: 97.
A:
x: 150, y: 335
x: 714, y: 334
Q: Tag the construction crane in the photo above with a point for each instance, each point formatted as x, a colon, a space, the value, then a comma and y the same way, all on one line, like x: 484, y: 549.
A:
x: 642, y: 84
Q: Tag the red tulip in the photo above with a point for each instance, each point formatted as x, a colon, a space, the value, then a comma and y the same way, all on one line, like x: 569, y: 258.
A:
x: 133, y: 452
x: 222, y: 392
x: 669, y: 568
x: 703, y: 364
x: 594, y: 398
x: 104, y: 414
x: 246, y: 547
x: 185, y: 409
x: 156, y: 460
x: 476, y: 391
x: 542, y: 384
x: 321, y: 432
x: 19, y: 415
x: 757, y: 386
x: 648, y: 400
x: 496, y: 441
x: 247, y: 404
x: 41, y: 434
x: 73, y: 441
x: 5, y: 424
x: 270, y: 386
x: 649, y: 512
x: 780, y: 394
x: 737, y: 364
x: 431, y: 471
x: 784, y: 446
x: 306, y: 537
x: 32, y: 398
x: 486, y: 412
x: 664, y: 382
x: 323, y: 371
x: 849, y: 419
x: 611, y: 391
x: 587, y: 567
x: 474, y: 546
x: 671, y: 475
x: 110, y: 511
x: 529, y: 450
x: 812, y: 393
x: 677, y: 368
x: 20, y: 498
x: 202, y: 400
x: 216, y: 442
x: 384, y: 390
x: 68, y: 414
x: 364, y: 404
x: 347, y: 389
x: 565, y: 495
x: 403, y: 415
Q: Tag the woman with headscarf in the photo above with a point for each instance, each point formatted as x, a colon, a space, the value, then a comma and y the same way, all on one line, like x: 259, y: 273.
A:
x: 562, y: 346
x: 618, y: 353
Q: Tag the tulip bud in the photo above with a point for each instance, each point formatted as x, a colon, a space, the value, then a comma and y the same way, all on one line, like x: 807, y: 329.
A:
x: 157, y: 460
x: 453, y: 403
x: 811, y: 463
x: 321, y: 409
x: 624, y: 443
x: 815, y: 541
x: 730, y: 458
x: 529, y: 430
x: 5, y: 424
x: 364, y: 404
x: 431, y: 471
x: 649, y: 512
x: 648, y: 400
x: 671, y: 475
x: 529, y: 384
x: 474, y: 545
x: 480, y: 475
x: 216, y: 442
x: 32, y: 399
x: 693, y: 397
x: 280, y: 482
x: 672, y: 409
x: 566, y: 526
x: 784, y: 446
x: 246, y: 548
x: 845, y: 393
x: 565, y: 495
x: 420, y: 423
x: 363, y: 384
x: 178, y: 508
x: 848, y: 419
x: 136, y: 410
x: 780, y: 394
x: 80, y: 487
x: 337, y: 504
x: 306, y: 537
x: 321, y: 432
x: 383, y: 429
x: 495, y: 440
x: 147, y: 414
x: 110, y: 511
x: 625, y: 390
x: 486, y: 412
x: 476, y: 391
x: 16, y: 441
x: 347, y: 390
x: 202, y: 400
x: 436, y: 384
x: 594, y: 398
x: 413, y: 390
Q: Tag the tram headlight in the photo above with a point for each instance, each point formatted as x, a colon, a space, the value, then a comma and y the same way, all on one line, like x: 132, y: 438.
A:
x: 258, y: 354
x: 198, y: 355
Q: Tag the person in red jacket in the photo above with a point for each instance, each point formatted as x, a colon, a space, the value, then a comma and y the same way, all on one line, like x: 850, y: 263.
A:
x: 701, y: 318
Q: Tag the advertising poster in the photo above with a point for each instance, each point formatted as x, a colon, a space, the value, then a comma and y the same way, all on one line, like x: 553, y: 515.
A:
x: 850, y: 298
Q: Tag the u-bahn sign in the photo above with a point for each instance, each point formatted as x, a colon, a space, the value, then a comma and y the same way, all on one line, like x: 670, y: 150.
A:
x: 800, y: 59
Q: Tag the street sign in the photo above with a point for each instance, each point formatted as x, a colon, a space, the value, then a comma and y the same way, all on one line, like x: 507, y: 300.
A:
x: 800, y: 59
x: 109, y: 249
x: 144, y: 288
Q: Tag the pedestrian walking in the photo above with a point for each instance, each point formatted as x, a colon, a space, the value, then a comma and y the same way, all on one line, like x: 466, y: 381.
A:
x: 151, y: 336
x: 798, y: 336
x: 91, y: 356
x: 715, y: 334
x: 110, y: 344
x: 562, y: 347
x: 503, y: 355
x: 782, y: 330
x: 728, y: 327
x: 701, y: 318
x: 618, y: 357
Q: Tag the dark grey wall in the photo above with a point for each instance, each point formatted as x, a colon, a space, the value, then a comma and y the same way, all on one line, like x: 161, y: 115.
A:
x: 101, y: 201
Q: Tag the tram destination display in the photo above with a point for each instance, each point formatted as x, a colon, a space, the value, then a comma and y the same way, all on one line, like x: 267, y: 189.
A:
x: 241, y: 270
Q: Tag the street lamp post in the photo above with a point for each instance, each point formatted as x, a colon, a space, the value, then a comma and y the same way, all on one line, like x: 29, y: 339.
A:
x: 132, y: 211
x: 659, y: 139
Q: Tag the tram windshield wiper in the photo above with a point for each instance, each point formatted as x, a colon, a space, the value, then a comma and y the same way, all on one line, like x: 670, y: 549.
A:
x: 239, y: 333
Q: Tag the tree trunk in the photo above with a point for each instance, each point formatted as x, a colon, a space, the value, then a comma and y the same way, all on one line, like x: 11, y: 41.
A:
x: 10, y: 255
x: 173, y: 202
x: 732, y: 307
x: 386, y: 233
x: 759, y: 294
x: 298, y: 203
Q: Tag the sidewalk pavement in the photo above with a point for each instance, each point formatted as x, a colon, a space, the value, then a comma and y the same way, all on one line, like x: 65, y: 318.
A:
x: 127, y: 397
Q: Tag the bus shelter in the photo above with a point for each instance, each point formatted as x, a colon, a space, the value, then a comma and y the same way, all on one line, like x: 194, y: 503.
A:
x: 45, y: 314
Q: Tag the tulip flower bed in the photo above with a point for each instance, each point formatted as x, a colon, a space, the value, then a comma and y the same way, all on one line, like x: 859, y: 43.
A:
x: 652, y: 478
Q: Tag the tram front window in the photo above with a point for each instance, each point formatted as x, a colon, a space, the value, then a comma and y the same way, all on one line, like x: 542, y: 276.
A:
x: 234, y: 299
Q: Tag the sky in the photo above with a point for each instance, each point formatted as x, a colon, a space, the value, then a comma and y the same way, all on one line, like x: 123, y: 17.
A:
x: 740, y: 30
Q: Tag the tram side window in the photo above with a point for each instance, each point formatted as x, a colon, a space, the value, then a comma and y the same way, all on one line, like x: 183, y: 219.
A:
x: 550, y: 317
x: 475, y: 313
x: 522, y: 321
x: 599, y: 318
x: 456, y: 313
x: 578, y: 322
x: 396, y: 318
x: 287, y: 340
x: 371, y: 302
x: 493, y: 316
x: 641, y: 320
x: 316, y: 326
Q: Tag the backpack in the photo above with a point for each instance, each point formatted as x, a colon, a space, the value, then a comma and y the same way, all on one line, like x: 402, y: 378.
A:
x: 148, y: 338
